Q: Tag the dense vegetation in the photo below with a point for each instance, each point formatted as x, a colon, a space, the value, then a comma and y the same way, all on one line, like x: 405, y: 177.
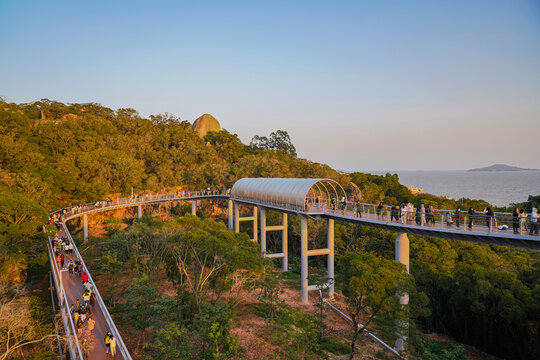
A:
x: 53, y: 154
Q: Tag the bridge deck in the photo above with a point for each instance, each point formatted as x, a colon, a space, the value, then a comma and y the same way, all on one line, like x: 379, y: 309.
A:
x: 73, y: 288
x: 479, y: 233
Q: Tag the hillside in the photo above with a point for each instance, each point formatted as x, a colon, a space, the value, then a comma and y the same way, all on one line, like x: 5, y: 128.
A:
x: 54, y: 154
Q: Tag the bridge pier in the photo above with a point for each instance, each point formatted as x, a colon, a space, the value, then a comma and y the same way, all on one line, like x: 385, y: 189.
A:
x: 85, y: 227
x: 284, y: 238
x: 230, y: 214
x: 238, y: 219
x: 305, y: 253
x: 139, y: 211
x: 330, y: 264
x: 402, y: 255
x: 194, y: 207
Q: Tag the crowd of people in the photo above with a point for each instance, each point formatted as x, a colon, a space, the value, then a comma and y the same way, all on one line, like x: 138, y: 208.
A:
x: 80, y: 310
x: 424, y: 215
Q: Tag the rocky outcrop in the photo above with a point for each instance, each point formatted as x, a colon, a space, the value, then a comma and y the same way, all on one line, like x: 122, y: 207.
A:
x: 353, y: 192
x: 206, y: 123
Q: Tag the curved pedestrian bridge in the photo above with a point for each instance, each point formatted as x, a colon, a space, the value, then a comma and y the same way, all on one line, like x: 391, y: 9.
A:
x: 318, y: 199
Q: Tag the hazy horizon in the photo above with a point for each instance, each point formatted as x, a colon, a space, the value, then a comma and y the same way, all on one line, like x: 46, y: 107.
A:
x: 357, y: 85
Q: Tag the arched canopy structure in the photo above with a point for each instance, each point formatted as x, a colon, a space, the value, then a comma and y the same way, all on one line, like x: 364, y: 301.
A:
x: 293, y: 194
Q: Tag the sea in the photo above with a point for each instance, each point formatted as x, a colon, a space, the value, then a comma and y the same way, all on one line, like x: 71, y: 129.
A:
x: 499, y: 188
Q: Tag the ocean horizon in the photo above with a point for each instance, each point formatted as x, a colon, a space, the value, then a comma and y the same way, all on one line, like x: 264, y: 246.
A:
x: 499, y: 188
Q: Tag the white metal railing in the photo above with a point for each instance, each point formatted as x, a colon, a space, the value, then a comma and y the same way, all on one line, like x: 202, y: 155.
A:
x: 498, y: 222
x: 77, y: 210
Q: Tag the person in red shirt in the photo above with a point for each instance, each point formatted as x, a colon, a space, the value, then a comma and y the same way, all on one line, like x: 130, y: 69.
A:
x: 84, y: 278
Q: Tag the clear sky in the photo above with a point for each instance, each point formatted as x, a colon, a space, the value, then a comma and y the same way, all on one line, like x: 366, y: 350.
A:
x: 359, y: 85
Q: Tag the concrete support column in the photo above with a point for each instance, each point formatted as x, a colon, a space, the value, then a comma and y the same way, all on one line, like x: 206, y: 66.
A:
x: 331, y: 258
x: 230, y: 214
x: 402, y: 249
x: 285, y: 243
x: 263, y: 229
x: 85, y: 227
x: 304, y: 258
x: 139, y: 211
x: 255, y: 227
x: 236, y: 217
x: 194, y: 207
x: 402, y: 255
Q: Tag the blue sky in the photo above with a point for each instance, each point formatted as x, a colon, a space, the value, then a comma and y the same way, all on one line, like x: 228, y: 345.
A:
x: 360, y: 85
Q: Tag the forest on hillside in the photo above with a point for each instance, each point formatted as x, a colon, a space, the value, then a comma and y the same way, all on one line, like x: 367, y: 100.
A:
x: 54, y: 154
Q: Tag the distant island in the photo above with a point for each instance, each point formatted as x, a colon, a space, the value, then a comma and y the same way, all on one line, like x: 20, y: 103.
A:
x: 502, y: 167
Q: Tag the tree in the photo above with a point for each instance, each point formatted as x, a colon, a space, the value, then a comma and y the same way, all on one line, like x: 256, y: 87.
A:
x: 19, y: 219
x: 322, y: 285
x: 213, y: 324
x: 207, y: 257
x: 278, y: 141
x: 111, y: 265
x: 141, y: 296
x: 19, y: 329
x: 371, y: 286
x: 172, y: 342
x: 270, y: 293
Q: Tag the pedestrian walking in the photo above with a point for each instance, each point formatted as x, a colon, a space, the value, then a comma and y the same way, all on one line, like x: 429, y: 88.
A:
x: 457, y: 216
x: 84, y: 278
x: 79, y: 328
x: 522, y: 218
x: 58, y: 261
x: 62, y: 260
x: 489, y: 216
x: 71, y: 265
x: 515, y: 220
x: 403, y: 213
x: 91, y: 324
x: 82, y: 313
x: 358, y: 209
x: 86, y: 297
x: 107, y: 340
x: 471, y: 217
x: 112, y: 345
x: 379, y: 209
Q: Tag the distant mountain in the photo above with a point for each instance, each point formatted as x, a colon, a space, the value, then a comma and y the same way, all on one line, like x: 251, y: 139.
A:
x: 501, y: 167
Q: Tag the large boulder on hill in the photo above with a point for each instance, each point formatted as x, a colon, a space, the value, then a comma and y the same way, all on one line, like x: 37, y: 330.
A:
x: 353, y: 192
x: 206, y: 123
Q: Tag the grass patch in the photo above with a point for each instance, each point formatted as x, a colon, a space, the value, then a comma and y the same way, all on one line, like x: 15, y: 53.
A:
x: 335, y: 346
